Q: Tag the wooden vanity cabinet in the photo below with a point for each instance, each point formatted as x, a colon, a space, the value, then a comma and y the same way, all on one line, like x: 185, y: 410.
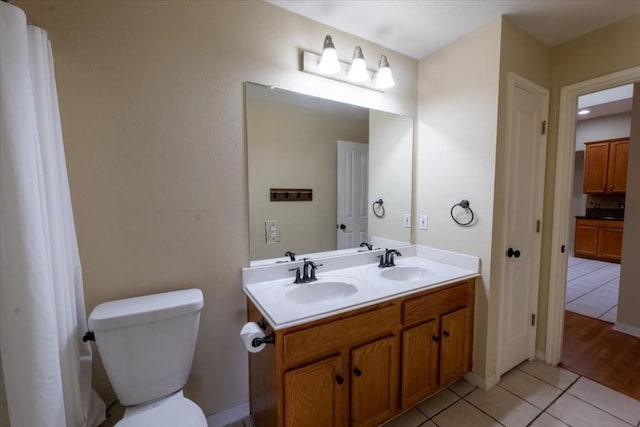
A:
x: 605, y: 166
x: 348, y: 370
x: 437, y: 350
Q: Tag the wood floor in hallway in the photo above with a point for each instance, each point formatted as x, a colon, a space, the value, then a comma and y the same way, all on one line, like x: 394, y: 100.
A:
x: 592, y: 349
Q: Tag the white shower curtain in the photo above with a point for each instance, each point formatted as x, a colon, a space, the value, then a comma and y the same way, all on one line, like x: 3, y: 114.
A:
x: 46, y: 366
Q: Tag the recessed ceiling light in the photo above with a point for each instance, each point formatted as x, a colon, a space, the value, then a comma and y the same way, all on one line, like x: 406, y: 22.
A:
x: 583, y: 112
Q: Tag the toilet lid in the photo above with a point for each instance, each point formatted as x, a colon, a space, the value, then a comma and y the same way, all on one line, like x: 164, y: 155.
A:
x: 175, y: 411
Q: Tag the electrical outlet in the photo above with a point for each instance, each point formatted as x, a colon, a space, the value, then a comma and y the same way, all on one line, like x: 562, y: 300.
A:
x: 423, y: 222
x: 272, y: 231
x: 406, y: 220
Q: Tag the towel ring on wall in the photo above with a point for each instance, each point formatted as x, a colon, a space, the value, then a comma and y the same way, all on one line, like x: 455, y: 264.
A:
x: 464, y: 204
x: 378, y: 208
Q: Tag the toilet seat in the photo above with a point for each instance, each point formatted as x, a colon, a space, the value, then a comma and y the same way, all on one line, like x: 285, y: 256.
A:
x: 173, y: 411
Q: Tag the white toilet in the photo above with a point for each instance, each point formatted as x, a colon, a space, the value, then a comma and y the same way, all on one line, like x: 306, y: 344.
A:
x: 146, y: 345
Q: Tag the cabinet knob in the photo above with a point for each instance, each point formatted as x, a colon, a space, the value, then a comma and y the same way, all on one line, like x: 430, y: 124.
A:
x: 446, y: 334
x: 339, y: 379
x: 435, y: 338
x: 357, y: 372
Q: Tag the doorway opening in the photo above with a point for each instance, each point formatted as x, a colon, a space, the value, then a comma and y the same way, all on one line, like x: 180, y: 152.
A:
x: 585, y: 282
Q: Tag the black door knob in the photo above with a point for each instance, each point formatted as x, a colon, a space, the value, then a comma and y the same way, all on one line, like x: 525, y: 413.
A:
x: 342, y: 226
x: 339, y: 379
x: 512, y: 253
x: 357, y: 372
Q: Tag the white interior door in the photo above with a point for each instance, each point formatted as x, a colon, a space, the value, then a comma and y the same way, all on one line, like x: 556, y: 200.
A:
x: 525, y: 154
x: 353, y: 161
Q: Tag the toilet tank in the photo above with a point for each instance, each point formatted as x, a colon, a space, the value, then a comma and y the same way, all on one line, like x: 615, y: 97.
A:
x: 146, y: 343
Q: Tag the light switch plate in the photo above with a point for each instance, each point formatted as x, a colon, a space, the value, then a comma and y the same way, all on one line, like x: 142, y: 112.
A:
x: 272, y: 231
x: 406, y: 220
x: 423, y: 222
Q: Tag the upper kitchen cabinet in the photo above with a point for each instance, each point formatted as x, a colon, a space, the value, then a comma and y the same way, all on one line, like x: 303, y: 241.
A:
x: 605, y: 166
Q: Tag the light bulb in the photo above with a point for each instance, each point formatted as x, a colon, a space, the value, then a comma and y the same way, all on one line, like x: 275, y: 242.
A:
x: 329, y: 61
x: 358, y: 70
x: 384, y: 78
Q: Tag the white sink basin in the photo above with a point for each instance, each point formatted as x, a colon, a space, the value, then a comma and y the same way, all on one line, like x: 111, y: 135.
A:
x: 310, y: 293
x: 407, y: 273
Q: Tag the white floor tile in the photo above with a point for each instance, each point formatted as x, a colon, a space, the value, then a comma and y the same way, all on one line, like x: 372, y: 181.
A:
x: 529, y: 388
x: 577, y: 413
x: 608, y: 400
x: 437, y: 403
x: 464, y: 414
x: 411, y: 418
x: 503, y: 406
x: 462, y: 387
x: 553, y: 375
x: 546, y: 420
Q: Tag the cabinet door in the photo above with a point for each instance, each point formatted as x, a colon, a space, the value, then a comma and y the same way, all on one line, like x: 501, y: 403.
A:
x: 596, y: 165
x: 455, y: 348
x: 315, y: 395
x: 374, y: 382
x: 610, y: 244
x: 586, y: 240
x: 618, y: 160
x: 420, y: 347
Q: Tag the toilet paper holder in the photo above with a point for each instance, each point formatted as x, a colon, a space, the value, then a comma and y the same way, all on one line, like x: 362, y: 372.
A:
x: 269, y: 339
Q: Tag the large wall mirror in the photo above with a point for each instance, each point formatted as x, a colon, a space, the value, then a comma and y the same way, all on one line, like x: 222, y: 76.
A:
x: 317, y: 170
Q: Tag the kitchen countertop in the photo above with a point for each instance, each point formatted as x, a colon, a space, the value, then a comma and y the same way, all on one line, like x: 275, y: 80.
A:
x: 272, y: 297
x: 605, y: 218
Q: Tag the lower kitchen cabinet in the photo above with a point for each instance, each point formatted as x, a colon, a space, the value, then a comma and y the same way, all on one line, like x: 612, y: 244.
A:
x: 361, y: 368
x: 599, y: 239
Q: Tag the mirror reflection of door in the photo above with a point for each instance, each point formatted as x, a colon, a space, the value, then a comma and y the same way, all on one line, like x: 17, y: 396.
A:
x: 353, y: 160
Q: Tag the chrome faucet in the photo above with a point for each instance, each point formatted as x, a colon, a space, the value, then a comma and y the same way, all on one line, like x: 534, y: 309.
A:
x: 387, y: 259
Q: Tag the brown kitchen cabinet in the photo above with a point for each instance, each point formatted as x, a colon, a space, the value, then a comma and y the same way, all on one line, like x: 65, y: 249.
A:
x: 599, y: 239
x: 363, y: 367
x: 605, y: 166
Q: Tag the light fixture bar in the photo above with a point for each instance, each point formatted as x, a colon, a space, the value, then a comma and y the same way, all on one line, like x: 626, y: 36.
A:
x: 310, y: 63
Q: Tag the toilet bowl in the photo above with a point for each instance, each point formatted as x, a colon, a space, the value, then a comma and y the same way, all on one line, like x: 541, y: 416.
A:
x: 146, y: 345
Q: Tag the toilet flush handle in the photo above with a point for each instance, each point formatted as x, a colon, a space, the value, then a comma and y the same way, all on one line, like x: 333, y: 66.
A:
x: 88, y: 336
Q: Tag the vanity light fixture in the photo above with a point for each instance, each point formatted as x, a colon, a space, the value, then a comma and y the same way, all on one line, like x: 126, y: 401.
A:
x: 327, y: 65
x: 583, y: 112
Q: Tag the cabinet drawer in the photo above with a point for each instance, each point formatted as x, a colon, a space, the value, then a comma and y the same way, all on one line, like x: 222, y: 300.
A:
x: 434, y: 304
x: 599, y: 223
x: 323, y: 339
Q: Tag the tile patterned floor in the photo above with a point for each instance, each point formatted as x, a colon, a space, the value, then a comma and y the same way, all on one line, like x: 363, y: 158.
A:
x: 532, y: 394
x: 592, y: 288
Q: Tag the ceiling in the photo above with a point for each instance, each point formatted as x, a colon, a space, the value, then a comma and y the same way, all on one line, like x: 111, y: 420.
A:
x: 419, y: 27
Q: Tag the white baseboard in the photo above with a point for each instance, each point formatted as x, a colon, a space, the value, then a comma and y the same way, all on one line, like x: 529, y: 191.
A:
x: 627, y: 329
x: 228, y: 416
x: 478, y: 381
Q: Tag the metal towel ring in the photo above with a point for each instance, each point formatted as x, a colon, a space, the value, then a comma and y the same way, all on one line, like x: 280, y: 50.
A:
x: 464, y: 204
x: 378, y: 208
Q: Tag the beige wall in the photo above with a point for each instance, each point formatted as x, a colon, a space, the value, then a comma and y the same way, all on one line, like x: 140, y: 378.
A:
x: 457, y: 115
x: 629, y: 294
x: 609, y: 49
x: 290, y: 146
x: 607, y: 127
x: 390, y: 173
x: 151, y: 97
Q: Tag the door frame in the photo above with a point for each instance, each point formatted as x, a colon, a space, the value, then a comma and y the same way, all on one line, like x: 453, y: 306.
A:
x: 514, y: 80
x: 565, y: 155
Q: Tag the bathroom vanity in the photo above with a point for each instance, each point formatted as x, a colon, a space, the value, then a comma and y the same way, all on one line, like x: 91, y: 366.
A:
x: 359, y: 358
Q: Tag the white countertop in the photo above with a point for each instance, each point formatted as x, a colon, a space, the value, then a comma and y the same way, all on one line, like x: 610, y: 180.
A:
x: 272, y: 296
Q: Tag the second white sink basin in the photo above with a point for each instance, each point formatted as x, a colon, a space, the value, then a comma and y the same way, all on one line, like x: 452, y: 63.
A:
x: 311, y: 293
x: 407, y: 273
